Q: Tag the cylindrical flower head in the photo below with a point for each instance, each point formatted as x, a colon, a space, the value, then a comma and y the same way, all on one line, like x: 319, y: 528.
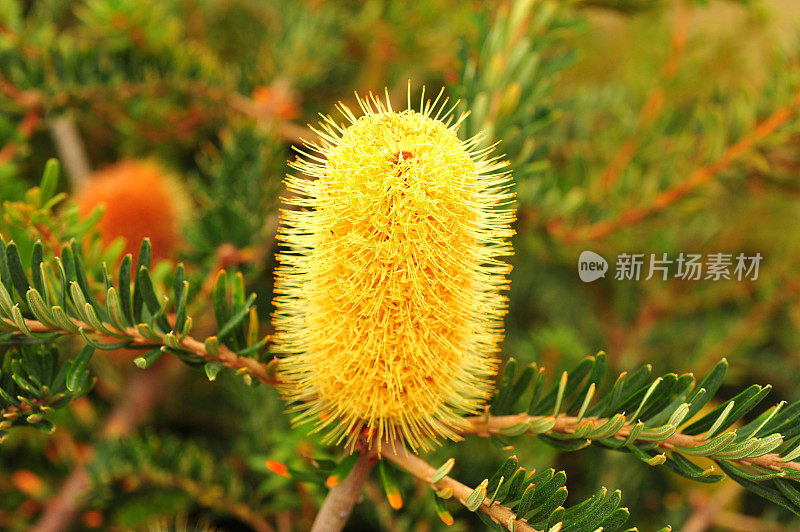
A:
x: 388, y: 291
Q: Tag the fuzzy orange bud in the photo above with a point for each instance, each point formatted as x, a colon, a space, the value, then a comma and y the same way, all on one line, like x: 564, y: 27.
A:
x: 141, y: 200
x: 29, y: 483
x: 388, y: 294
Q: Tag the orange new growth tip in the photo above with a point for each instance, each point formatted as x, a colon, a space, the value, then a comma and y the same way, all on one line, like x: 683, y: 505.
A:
x: 395, y: 500
x: 446, y: 517
x: 140, y: 200
x: 278, y: 468
x: 388, y: 291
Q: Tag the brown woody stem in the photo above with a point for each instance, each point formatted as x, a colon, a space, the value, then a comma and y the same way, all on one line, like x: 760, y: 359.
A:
x: 340, y: 500
x: 414, y: 465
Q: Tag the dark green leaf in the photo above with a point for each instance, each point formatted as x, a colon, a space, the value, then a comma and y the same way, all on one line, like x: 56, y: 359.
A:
x: 77, y: 371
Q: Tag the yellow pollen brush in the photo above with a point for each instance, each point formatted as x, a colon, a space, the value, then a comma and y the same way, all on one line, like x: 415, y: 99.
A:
x: 389, y: 289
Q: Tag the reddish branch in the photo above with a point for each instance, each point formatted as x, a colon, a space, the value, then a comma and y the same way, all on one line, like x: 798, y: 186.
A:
x: 413, y: 464
x: 654, y: 101
x: 484, y: 426
x: 694, y: 180
x: 225, y: 356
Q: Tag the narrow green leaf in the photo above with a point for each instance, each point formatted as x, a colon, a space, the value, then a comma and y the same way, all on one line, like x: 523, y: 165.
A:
x: 595, y: 379
x: 36, y: 271
x: 505, y: 471
x: 644, y: 456
x: 145, y: 285
x: 77, y: 370
x: 609, y: 428
x: 502, y: 398
x: 579, y: 514
x: 5, y: 271
x: 101, y: 346
x: 63, y: 293
x: 212, y: 369
x: 146, y: 360
x: 443, y: 471
x: 18, y: 277
x: 760, y: 489
x: 743, y: 402
x: 181, y: 287
x: 573, y: 380
x: 476, y: 498
x: 63, y: 320
x: 83, y: 281
x: 709, y: 385
x: 565, y: 445
x: 538, y: 388
x: 220, y: 300
x: 555, y: 501
x: 49, y: 183
x: 114, y: 310
x: 683, y: 466
x: 145, y: 255
x: 710, y: 447
x: 124, y: 287
x: 6, y: 302
x: 546, y: 488
x: 390, y: 485
x: 236, y: 319
x: 39, y: 309
x: 617, y: 518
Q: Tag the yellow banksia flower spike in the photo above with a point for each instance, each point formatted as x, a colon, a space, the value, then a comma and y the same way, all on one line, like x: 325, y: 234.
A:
x: 389, y: 302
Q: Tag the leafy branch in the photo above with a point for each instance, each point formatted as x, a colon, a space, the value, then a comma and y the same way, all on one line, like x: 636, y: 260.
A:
x: 151, y: 461
x: 515, y: 498
x: 54, y: 299
x: 509, y: 83
x: 34, y: 384
x: 761, y: 455
x: 62, y: 303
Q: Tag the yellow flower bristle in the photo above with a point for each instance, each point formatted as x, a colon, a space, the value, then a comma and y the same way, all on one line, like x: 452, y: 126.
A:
x: 388, y: 291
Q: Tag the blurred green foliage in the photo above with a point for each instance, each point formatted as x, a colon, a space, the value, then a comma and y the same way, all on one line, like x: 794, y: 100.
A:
x: 632, y: 127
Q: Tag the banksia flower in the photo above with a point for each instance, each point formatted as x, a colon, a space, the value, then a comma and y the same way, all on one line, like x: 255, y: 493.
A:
x: 141, y: 200
x: 388, y: 292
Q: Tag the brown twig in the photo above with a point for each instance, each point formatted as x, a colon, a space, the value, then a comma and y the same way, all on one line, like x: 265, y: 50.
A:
x: 677, y: 192
x: 486, y: 425
x: 340, y: 500
x: 414, y: 465
x: 706, y: 509
x: 736, y: 522
x: 71, y: 150
x: 654, y: 101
